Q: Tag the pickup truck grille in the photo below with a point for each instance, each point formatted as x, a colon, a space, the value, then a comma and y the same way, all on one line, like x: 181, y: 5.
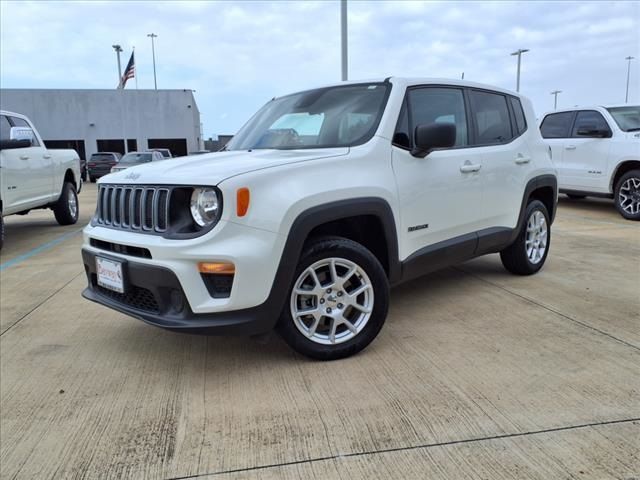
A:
x: 135, y: 207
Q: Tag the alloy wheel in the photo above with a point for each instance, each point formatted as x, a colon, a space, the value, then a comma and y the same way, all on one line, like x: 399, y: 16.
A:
x: 629, y: 195
x: 536, y: 239
x: 332, y: 301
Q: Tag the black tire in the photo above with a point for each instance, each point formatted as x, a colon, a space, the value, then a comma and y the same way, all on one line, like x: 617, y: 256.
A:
x: 632, y: 181
x: 63, y: 209
x: 1, y: 230
x: 341, y: 249
x: 515, y: 258
x: 573, y: 196
x: 93, y: 179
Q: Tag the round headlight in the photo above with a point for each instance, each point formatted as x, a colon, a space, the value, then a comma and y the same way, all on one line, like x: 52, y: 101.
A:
x: 205, y: 206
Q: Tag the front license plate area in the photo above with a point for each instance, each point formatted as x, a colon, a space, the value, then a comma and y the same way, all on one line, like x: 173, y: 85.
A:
x: 110, y: 274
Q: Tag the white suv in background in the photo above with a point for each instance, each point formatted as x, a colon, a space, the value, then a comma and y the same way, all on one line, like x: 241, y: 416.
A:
x: 597, y: 153
x: 323, y: 200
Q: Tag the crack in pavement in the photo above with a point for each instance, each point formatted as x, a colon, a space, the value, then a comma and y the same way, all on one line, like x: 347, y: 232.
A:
x: 407, y: 448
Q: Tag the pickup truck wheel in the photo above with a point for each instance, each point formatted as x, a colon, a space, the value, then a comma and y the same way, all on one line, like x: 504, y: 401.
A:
x: 528, y: 253
x: 627, y: 196
x: 66, y: 208
x: 338, y: 301
x: 93, y: 179
x: 1, y: 231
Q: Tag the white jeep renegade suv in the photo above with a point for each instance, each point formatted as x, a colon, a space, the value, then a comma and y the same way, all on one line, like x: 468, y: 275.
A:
x: 597, y: 153
x: 323, y: 200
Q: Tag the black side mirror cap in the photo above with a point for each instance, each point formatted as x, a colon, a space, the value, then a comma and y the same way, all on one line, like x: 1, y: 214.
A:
x: 11, y: 144
x: 431, y: 136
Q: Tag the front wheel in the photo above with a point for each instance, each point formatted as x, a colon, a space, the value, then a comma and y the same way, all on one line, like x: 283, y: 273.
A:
x: 338, y: 301
x: 627, y: 195
x: 66, y: 208
x: 528, y: 253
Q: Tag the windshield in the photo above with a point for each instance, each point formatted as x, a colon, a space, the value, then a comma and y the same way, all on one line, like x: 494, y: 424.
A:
x: 327, y: 117
x: 627, y: 118
x: 136, y: 158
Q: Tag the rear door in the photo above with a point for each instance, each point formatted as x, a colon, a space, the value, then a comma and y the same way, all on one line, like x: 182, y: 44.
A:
x: 498, y: 127
x: 34, y: 172
x: 556, y: 130
x: 585, y: 156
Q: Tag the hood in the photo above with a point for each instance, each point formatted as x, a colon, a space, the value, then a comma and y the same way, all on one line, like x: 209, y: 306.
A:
x: 213, y: 168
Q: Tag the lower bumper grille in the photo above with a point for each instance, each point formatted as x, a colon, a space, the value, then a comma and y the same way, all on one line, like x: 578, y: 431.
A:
x: 137, y: 297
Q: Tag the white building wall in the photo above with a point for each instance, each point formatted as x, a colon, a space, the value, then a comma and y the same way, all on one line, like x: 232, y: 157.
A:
x: 90, y: 115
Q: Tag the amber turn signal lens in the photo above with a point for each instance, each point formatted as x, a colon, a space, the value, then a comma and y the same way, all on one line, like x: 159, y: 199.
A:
x: 225, y: 268
x: 243, y: 197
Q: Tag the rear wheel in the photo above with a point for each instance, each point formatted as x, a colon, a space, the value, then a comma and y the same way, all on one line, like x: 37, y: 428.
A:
x: 93, y: 179
x: 528, y: 253
x: 338, y: 301
x: 66, y: 208
x: 627, y: 195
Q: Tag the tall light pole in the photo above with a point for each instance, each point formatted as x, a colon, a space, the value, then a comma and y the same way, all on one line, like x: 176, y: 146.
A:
x: 519, y: 53
x: 118, y: 50
x: 153, y: 52
x: 343, y: 28
x: 628, y: 59
x: 555, y: 98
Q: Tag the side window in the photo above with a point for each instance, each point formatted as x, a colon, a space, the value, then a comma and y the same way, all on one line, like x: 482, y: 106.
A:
x: 521, y: 122
x: 491, y: 116
x: 5, y: 128
x: 556, y: 125
x: 438, y: 105
x: 19, y: 122
x: 401, y: 137
x: 590, y: 119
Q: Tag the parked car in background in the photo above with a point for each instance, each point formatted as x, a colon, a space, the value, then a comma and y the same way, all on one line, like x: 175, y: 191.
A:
x: 323, y: 200
x: 199, y: 152
x: 132, y: 159
x: 597, y: 153
x: 83, y: 169
x: 100, y: 164
x: 34, y: 176
x: 166, y: 153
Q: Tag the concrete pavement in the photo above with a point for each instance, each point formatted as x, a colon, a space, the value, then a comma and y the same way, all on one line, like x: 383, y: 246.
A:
x: 477, y: 374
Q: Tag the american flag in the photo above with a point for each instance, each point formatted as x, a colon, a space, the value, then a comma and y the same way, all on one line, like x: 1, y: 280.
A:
x: 129, y: 72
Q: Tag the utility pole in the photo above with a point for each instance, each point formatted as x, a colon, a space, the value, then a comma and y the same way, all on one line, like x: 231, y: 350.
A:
x: 343, y: 27
x: 519, y: 53
x: 153, y: 52
x: 555, y: 98
x: 628, y: 59
x: 118, y: 50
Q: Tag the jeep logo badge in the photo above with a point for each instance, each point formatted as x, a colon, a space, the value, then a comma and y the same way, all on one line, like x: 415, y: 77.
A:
x: 132, y: 176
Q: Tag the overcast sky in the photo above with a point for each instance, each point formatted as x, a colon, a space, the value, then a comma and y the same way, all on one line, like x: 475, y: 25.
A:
x: 238, y: 55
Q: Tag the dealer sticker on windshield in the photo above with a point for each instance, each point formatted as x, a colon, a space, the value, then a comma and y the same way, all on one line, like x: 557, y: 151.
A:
x: 110, y: 274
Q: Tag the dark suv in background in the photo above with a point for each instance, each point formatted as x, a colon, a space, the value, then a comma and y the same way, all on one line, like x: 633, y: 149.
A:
x: 100, y: 164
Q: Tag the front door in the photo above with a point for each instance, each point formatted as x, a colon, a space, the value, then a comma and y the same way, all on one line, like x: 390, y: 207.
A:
x: 440, y: 195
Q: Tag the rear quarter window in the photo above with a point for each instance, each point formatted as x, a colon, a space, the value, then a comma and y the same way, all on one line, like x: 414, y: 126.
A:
x: 491, y: 116
x: 521, y: 122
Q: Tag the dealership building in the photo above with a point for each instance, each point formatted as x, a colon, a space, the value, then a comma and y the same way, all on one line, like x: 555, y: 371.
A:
x: 92, y: 121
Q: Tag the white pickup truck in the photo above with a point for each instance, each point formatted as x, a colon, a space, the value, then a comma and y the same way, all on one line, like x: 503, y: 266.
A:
x: 34, y: 176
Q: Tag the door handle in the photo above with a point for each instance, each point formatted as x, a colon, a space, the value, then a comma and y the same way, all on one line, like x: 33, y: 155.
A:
x: 570, y: 147
x: 521, y: 159
x: 24, y: 157
x: 469, y: 167
x: 47, y: 156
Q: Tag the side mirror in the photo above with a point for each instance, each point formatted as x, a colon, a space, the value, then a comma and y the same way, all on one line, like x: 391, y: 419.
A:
x: 431, y: 136
x: 593, y: 131
x: 11, y: 144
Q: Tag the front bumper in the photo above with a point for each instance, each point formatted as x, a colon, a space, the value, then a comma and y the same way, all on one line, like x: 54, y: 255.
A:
x: 155, y: 296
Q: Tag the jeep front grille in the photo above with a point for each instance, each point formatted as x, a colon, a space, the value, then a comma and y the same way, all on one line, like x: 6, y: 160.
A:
x: 138, y: 208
